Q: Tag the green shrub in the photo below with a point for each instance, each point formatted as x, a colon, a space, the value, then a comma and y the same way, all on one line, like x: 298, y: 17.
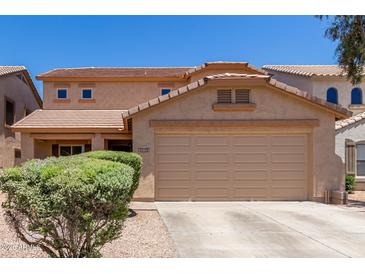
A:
x: 131, y: 159
x: 68, y: 206
x: 350, y: 183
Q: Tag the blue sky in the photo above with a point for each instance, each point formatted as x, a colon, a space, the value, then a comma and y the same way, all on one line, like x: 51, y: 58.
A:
x: 42, y: 43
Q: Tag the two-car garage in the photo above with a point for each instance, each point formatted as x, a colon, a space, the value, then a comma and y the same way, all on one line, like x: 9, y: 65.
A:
x: 216, y: 166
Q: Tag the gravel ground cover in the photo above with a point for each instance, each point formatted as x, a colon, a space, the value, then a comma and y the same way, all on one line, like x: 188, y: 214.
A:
x: 144, y: 236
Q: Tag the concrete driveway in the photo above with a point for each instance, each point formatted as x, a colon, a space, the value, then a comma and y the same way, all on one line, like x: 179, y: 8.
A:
x: 264, y: 229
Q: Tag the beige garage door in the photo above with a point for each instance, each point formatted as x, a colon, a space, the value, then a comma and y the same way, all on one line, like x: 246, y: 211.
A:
x: 241, y: 167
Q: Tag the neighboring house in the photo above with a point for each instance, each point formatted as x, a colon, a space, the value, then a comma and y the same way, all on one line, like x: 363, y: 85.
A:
x: 327, y: 82
x: 18, y: 98
x: 330, y: 83
x: 221, y: 131
x: 350, y: 146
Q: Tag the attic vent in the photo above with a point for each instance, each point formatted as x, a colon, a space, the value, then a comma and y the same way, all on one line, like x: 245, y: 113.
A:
x: 242, y: 96
x: 224, y: 96
x: 129, y: 125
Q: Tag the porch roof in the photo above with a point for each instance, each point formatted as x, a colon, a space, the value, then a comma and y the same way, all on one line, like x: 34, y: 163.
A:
x: 71, y: 119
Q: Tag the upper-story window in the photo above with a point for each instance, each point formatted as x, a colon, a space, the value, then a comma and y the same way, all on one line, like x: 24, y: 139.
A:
x: 87, y: 94
x: 332, y: 96
x: 165, y: 91
x: 356, y: 96
x: 9, y: 112
x: 62, y: 94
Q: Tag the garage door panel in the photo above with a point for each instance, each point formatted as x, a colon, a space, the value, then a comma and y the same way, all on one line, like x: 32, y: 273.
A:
x: 175, y: 141
x: 210, y: 193
x: 287, y: 183
x: 288, y: 194
x: 286, y: 150
x: 174, y: 174
x: 287, y: 166
x: 288, y: 157
x: 249, y: 157
x: 252, y: 140
x: 173, y: 158
x: 211, y: 175
x: 173, y: 194
x: 211, y: 141
x: 211, y: 158
x: 287, y: 174
x: 250, y: 175
x: 288, y: 140
x: 239, y: 167
x: 250, y: 193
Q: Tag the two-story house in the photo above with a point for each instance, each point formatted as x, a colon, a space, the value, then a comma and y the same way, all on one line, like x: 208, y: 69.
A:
x: 329, y: 82
x: 18, y: 98
x: 219, y: 131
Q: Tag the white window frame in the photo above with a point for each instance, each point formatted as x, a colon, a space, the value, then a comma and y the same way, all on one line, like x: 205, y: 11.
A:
x: 67, y: 97
x: 360, y: 178
x: 165, y: 88
x: 82, y: 93
x: 71, y: 145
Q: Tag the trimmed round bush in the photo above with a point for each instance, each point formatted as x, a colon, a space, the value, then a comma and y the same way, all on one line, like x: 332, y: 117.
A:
x: 68, y: 206
x: 131, y: 159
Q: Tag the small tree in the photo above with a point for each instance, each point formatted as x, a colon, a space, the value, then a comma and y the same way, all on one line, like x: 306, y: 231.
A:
x: 349, y: 32
x: 68, y: 206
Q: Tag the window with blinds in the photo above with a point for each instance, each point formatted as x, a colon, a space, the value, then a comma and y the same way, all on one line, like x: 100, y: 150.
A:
x: 242, y: 96
x: 224, y: 96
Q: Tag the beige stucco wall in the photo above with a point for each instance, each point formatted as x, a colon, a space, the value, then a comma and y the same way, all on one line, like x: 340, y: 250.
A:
x: 326, y: 166
x: 16, y: 90
x: 107, y: 95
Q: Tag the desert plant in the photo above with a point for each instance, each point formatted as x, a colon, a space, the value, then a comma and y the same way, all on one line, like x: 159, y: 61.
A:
x: 68, y: 206
x: 131, y: 159
x: 350, y: 183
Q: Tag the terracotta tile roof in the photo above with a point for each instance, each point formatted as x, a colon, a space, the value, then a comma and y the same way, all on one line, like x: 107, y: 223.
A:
x: 43, y: 119
x: 115, y: 72
x: 7, y: 70
x: 340, y: 111
x: 151, y: 72
x: 224, y: 63
x: 350, y: 121
x: 307, y: 70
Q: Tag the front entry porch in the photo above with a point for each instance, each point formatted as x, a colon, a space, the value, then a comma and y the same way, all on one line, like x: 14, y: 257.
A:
x: 44, y: 145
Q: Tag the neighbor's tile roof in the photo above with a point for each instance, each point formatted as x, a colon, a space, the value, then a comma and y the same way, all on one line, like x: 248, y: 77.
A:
x: 350, y: 121
x: 4, y: 70
x: 48, y: 118
x: 115, y: 72
x: 342, y: 112
x: 307, y: 70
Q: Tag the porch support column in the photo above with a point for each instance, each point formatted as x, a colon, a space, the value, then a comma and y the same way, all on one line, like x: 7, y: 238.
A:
x: 97, y: 142
x: 27, y: 147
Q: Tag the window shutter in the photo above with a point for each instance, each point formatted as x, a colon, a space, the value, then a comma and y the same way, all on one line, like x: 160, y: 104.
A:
x: 242, y: 96
x: 224, y: 96
x: 350, y: 157
x: 55, y: 150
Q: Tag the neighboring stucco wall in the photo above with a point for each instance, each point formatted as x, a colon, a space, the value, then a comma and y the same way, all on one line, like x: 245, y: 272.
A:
x: 344, y: 88
x: 301, y: 82
x: 318, y: 86
x: 327, y: 167
x: 22, y: 95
